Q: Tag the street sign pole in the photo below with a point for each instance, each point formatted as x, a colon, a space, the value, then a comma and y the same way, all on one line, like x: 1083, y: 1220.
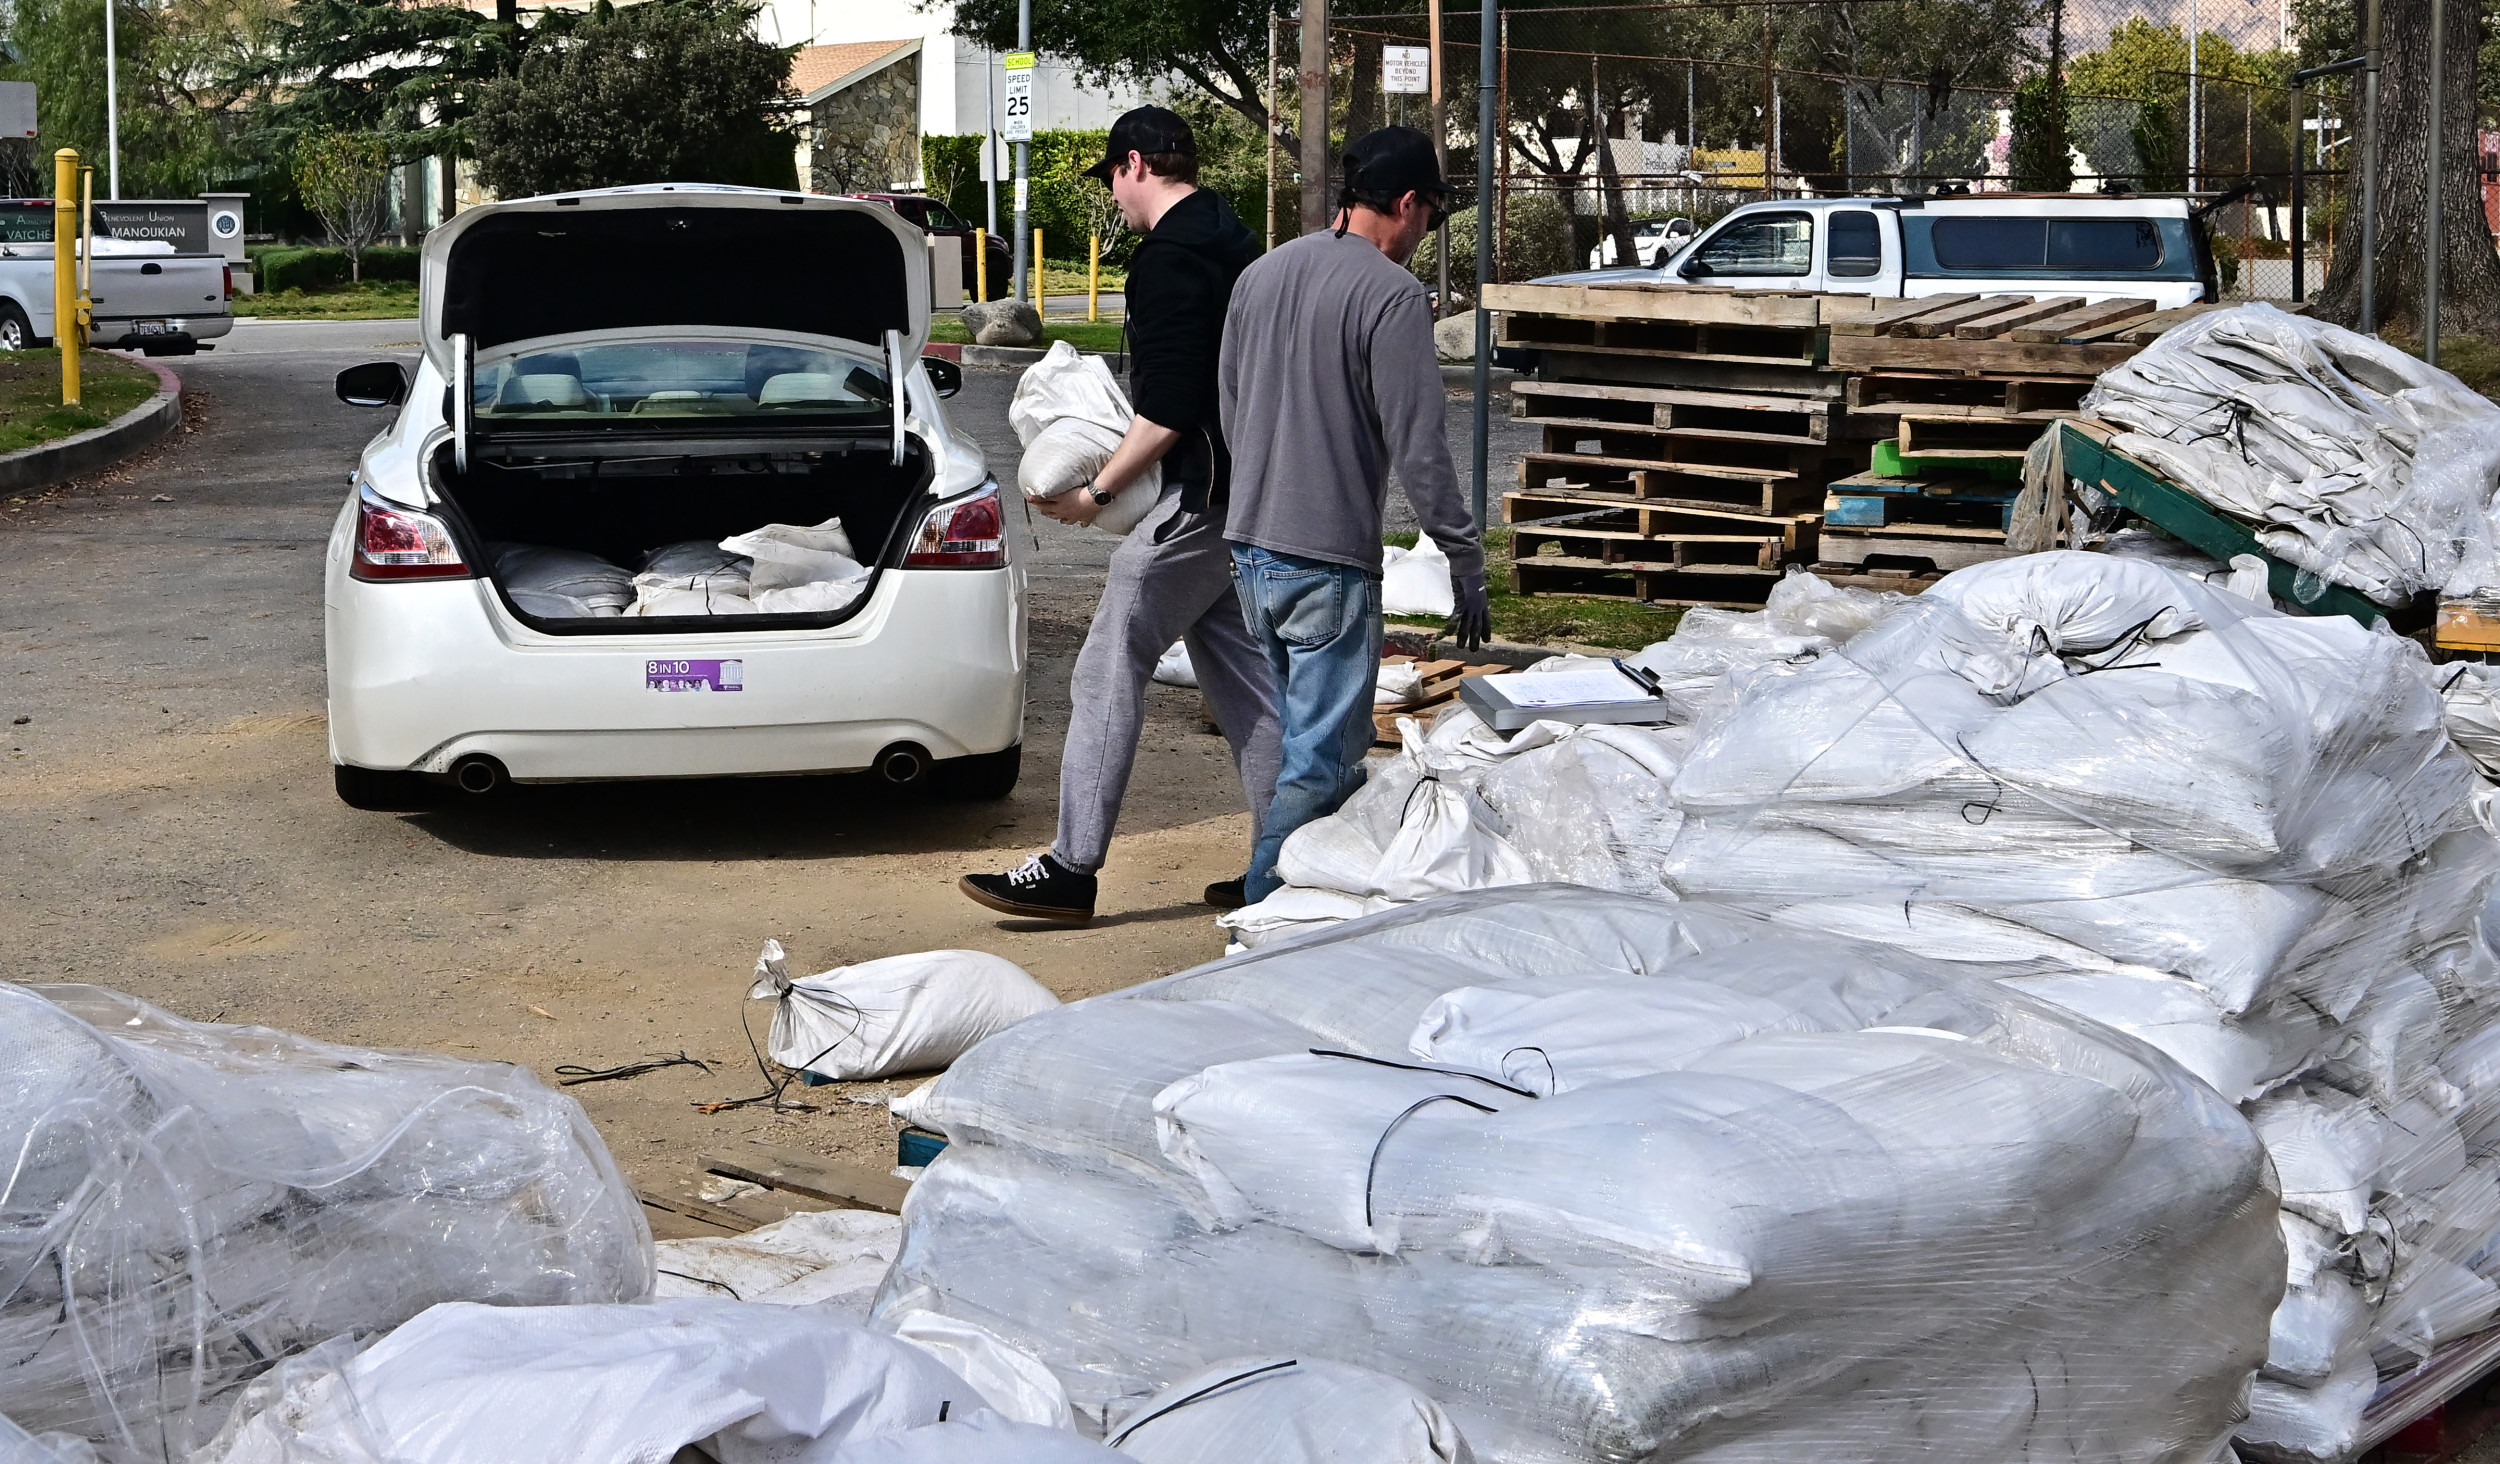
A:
x: 1019, y: 130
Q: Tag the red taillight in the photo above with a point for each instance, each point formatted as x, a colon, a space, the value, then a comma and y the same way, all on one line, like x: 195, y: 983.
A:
x: 229, y: 281
x: 395, y: 543
x: 970, y: 533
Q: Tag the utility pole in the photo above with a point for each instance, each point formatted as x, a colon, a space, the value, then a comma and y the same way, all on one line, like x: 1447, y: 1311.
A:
x: 1023, y: 133
x: 1488, y: 57
x: 112, y: 109
x: 2437, y: 180
x: 1270, y: 149
x: 1314, y: 79
x: 1770, y: 103
x: 2196, y: 129
x: 2369, y: 176
x: 1441, y: 162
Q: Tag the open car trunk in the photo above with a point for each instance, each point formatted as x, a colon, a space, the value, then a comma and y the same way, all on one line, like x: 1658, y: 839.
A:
x: 563, y: 540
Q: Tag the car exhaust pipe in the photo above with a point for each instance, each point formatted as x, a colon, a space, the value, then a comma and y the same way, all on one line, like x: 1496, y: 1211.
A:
x: 903, y: 764
x: 477, y: 773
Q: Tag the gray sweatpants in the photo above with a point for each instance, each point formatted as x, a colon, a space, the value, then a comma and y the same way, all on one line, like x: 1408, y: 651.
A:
x: 1171, y: 579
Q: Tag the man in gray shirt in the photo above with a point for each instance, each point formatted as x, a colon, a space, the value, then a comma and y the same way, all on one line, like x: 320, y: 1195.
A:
x: 1328, y: 379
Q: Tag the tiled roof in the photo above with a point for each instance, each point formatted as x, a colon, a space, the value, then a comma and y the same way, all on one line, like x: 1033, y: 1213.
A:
x: 819, y: 71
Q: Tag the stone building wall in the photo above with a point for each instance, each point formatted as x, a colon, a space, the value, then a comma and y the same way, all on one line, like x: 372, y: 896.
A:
x: 866, y: 137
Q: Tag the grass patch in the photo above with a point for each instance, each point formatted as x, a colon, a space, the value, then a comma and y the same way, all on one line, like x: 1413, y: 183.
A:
x: 30, y: 395
x: 372, y: 300
x: 1101, y: 335
x: 2470, y: 359
x: 1540, y: 619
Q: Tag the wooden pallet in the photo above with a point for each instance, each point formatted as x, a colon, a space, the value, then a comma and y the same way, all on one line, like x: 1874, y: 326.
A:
x: 1441, y: 679
x: 1704, y: 373
x: 1682, y: 412
x: 1966, y: 438
x: 1751, y: 345
x: 2000, y: 335
x: 1736, y: 490
x: 1874, y: 577
x: 1724, y: 585
x: 1942, y: 548
x: 1791, y: 542
x: 1651, y: 518
x: 1691, y: 305
x: 1651, y: 447
x: 2030, y: 398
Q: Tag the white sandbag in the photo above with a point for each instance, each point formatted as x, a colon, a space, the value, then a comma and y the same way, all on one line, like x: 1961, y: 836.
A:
x: 822, y: 597
x: 1014, y: 1383
x: 810, y: 567
x: 1069, y: 415
x: 1172, y: 668
x: 2069, y: 602
x: 1416, y: 582
x: 1398, y: 683
x: 1294, y: 1139
x: 561, y: 584
x: 901, y: 1014
x: 1555, y: 1042
x: 984, y: 1438
x: 2327, y: 1147
x: 829, y: 1257
x: 2316, y: 1326
x: 1278, y: 1410
x: 1295, y: 909
x: 690, y: 594
x: 696, y: 556
x: 462, y: 1383
x: 2318, y: 1425
x: 186, y: 1200
x: 1447, y: 841
x: 2469, y: 707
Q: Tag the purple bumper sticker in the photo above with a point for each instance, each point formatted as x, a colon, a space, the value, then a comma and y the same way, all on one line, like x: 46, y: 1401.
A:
x: 695, y: 675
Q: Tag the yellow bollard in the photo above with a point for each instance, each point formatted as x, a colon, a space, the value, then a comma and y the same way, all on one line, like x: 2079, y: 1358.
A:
x: 1041, y: 305
x: 1093, y: 277
x: 980, y: 264
x: 65, y: 269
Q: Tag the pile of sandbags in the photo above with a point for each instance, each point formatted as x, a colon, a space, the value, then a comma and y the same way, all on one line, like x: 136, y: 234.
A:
x: 1613, y: 1178
x: 2352, y: 460
x: 185, y: 1203
x: 2240, y: 835
x: 779, y: 569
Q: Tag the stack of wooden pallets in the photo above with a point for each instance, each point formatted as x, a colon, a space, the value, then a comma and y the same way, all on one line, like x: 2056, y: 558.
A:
x: 1959, y: 386
x: 1687, y: 438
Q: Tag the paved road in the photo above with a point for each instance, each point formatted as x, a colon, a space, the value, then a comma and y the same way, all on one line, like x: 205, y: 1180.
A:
x: 171, y: 828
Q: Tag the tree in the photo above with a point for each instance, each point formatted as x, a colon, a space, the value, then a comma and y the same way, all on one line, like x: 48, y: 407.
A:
x: 666, y: 91
x: 181, y: 112
x: 409, y: 73
x: 1218, y: 46
x: 2470, y: 270
x: 340, y: 177
x: 2039, y: 161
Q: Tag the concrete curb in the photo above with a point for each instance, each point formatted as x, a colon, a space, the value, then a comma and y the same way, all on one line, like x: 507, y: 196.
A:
x: 48, y: 463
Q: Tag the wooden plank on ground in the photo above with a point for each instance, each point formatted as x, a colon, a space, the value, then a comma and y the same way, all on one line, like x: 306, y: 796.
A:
x: 1659, y: 302
x: 729, y: 1220
x: 1941, y: 322
x: 1890, y: 313
x: 2067, y: 325
x: 811, y: 1175
x: 1998, y: 324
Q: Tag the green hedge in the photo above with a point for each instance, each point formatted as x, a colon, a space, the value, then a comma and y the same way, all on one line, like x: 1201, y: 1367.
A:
x: 294, y: 267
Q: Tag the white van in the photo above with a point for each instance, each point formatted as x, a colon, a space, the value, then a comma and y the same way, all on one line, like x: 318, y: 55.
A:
x: 2097, y: 247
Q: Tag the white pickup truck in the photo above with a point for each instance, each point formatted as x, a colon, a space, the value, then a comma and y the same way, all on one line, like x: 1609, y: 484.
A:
x: 2098, y: 247
x: 147, y: 297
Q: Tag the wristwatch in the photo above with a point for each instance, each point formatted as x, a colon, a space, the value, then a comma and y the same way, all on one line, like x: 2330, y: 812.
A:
x: 1101, y: 499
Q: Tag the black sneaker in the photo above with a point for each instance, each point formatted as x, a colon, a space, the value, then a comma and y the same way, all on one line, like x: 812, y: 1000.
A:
x: 1228, y: 894
x: 1042, y: 889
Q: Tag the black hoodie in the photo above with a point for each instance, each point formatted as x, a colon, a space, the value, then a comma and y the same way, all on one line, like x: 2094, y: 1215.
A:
x: 1180, y: 282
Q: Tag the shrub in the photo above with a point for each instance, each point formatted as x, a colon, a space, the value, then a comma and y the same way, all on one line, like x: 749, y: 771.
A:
x: 1537, y: 241
x: 295, y: 267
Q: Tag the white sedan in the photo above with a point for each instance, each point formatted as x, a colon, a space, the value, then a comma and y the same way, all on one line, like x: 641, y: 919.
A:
x: 671, y: 494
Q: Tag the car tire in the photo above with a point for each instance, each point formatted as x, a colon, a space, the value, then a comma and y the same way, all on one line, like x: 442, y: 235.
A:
x: 982, y: 778
x: 16, y: 332
x: 379, y: 792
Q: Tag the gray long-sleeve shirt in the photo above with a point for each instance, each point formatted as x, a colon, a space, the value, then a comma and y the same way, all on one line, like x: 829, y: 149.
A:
x: 1328, y: 377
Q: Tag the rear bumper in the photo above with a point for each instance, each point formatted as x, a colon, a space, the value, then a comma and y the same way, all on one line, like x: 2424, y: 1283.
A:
x: 422, y: 675
x: 181, y: 332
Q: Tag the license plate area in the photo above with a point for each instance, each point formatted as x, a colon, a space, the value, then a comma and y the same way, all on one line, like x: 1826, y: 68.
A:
x: 150, y: 327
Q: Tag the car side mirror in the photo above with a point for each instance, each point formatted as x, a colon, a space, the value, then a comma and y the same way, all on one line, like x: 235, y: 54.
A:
x: 945, y: 375
x: 1696, y: 269
x: 374, y: 384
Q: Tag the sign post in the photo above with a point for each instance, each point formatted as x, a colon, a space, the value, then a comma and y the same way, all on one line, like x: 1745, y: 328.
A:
x: 1017, y: 127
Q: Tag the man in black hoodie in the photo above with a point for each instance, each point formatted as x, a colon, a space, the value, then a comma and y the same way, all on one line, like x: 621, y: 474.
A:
x: 1171, y: 578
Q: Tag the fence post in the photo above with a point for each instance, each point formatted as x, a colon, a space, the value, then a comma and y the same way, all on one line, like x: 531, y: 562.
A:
x: 1093, y: 277
x: 65, y: 332
x: 1489, y: 41
x: 1041, y: 302
x: 981, y: 262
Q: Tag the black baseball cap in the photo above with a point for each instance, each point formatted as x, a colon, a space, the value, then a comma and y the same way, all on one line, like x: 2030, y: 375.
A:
x: 1394, y: 161
x: 1147, y: 130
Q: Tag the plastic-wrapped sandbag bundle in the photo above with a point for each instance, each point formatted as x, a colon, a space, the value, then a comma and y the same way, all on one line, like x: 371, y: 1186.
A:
x: 2240, y: 835
x: 187, y: 1202
x: 1614, y: 1178
x: 1464, y: 807
x: 2353, y: 460
x: 1070, y: 415
x: 561, y: 584
x: 746, y: 1384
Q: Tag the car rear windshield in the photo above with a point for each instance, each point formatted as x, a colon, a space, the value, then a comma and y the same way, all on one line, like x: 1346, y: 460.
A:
x: 690, y: 378
x: 1982, y: 245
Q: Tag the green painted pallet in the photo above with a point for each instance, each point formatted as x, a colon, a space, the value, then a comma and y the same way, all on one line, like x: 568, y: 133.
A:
x: 1886, y: 461
x: 2182, y: 515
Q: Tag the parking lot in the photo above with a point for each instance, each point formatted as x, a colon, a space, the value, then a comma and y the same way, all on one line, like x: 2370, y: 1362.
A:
x: 173, y: 831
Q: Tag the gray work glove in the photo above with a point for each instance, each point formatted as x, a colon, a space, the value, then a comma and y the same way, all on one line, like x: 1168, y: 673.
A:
x: 1472, y: 626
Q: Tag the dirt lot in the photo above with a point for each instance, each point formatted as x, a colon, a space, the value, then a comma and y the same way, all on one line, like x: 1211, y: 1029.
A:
x: 171, y: 831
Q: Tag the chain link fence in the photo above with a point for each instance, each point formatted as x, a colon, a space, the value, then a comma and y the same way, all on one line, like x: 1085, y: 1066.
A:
x: 1615, y: 116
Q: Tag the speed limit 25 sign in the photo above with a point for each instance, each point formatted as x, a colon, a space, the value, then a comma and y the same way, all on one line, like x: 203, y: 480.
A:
x: 1017, y: 124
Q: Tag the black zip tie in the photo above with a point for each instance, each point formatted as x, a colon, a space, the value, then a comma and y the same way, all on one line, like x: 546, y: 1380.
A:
x: 1417, y: 1067
x: 1371, y: 1171
x: 1135, y: 1424
x: 572, y: 1073
x: 1553, y: 1079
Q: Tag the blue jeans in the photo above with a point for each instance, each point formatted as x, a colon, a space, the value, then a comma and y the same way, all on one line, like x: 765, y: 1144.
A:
x: 1319, y: 624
